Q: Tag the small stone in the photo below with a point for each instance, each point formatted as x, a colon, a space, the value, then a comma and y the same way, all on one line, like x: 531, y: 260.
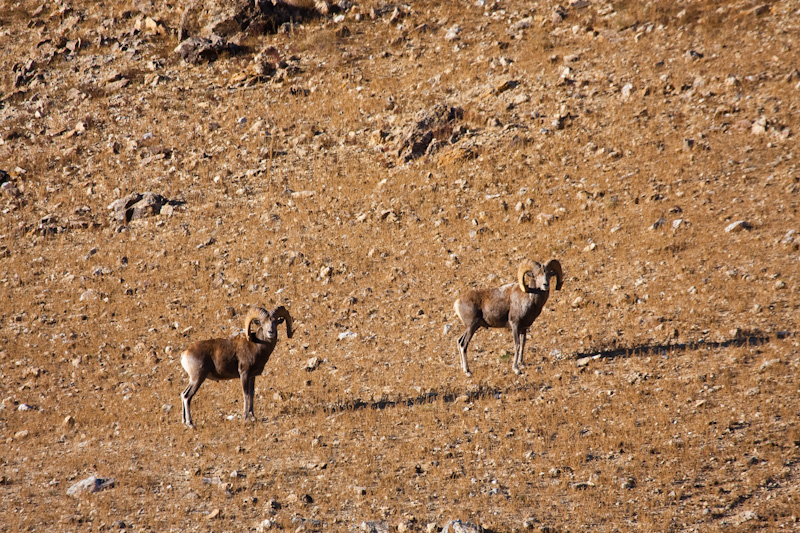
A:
x: 452, y: 33
x: 273, y: 505
x: 530, y: 522
x: 457, y: 526
x: 213, y: 514
x: 312, y: 364
x: 21, y: 434
x: 375, y: 527
x: 577, y: 302
x: 545, y: 218
x: 769, y: 364
x: 265, y: 525
x: 739, y: 225
x: 759, y: 126
x: 89, y: 485
x: 25, y: 407
x: 89, y: 295
x: 745, y: 516
x: 69, y: 421
x: 626, y: 90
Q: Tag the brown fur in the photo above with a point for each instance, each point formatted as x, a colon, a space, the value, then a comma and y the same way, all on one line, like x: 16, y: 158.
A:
x: 242, y: 357
x: 514, y: 306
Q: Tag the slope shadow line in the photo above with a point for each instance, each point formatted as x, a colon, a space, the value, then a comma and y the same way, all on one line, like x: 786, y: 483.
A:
x: 483, y: 391
x: 663, y: 349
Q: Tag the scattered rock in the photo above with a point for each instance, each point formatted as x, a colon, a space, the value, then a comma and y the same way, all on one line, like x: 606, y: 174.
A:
x: 89, y: 485
x: 136, y: 206
x: 759, y: 126
x: 530, y: 522
x: 428, y: 124
x: 744, y: 516
x: 198, y: 49
x: 739, y: 225
x: 265, y: 525
x: 452, y: 33
x: 626, y: 90
x: 583, y: 361
x: 375, y: 527
x: 89, y: 295
x: 457, y: 526
x: 312, y: 364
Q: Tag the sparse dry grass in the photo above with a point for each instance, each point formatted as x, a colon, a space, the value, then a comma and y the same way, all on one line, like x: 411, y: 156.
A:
x: 686, y: 421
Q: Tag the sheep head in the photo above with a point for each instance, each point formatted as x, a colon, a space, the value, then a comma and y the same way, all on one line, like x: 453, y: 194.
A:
x: 541, y: 275
x: 263, y: 317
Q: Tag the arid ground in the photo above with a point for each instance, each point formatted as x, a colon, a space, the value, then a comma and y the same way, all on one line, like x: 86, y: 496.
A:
x: 363, y: 164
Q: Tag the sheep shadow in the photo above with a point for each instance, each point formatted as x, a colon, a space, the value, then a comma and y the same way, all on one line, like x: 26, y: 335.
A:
x: 485, y: 391
x: 756, y: 339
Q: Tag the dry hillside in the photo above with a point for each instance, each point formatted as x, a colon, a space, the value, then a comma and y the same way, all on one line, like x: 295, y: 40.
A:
x: 364, y: 163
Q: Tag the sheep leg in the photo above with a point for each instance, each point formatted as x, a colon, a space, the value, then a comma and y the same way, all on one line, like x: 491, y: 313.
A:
x: 252, y: 386
x: 463, y: 342
x: 248, y: 386
x: 519, y: 349
x: 186, y: 397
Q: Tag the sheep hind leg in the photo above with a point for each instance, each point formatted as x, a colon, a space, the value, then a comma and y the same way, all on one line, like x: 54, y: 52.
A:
x: 186, y: 398
x: 463, y: 342
x: 252, y: 392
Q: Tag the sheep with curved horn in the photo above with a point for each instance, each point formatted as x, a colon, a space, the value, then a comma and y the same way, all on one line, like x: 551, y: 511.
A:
x: 514, y: 306
x: 241, y: 357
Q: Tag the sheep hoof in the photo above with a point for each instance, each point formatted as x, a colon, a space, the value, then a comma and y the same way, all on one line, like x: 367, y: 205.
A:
x: 516, y: 370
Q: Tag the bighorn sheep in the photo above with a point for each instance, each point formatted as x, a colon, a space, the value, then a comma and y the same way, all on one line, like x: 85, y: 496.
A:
x: 514, y: 306
x: 241, y: 356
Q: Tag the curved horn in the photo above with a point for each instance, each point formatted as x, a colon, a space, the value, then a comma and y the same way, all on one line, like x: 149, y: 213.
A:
x: 555, y: 266
x: 281, y: 312
x: 525, y: 268
x: 255, y: 313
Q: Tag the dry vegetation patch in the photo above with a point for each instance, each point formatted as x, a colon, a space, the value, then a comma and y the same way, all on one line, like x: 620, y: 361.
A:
x: 363, y: 164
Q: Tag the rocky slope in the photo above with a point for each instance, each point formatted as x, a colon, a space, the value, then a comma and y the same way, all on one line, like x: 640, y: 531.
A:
x: 168, y: 165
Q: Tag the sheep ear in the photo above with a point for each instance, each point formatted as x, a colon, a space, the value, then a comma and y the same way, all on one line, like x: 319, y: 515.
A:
x: 555, y: 267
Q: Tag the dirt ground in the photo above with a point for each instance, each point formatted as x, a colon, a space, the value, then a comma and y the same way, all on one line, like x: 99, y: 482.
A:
x: 364, y: 164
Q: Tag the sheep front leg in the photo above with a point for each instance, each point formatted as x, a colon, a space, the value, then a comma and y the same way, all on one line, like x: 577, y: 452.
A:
x: 186, y: 398
x: 519, y: 348
x: 248, y: 388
